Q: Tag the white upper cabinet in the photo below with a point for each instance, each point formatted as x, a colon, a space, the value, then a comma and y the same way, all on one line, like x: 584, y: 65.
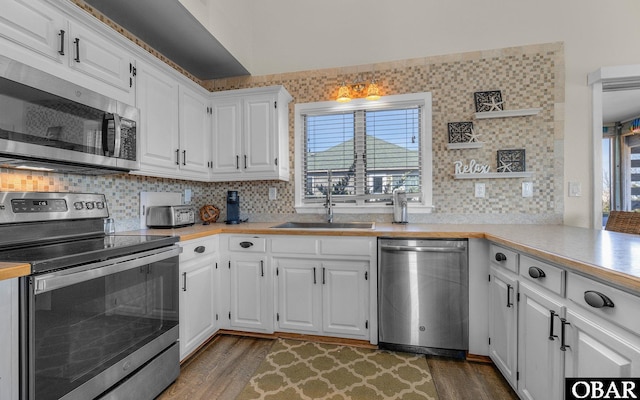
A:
x: 91, y: 53
x: 195, y: 125
x: 157, y: 99
x: 64, y: 44
x: 174, y: 126
x: 226, y: 144
x: 250, y: 134
x: 35, y: 26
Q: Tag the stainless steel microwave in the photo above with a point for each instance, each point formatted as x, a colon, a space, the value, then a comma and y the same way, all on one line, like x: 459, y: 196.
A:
x: 47, y: 123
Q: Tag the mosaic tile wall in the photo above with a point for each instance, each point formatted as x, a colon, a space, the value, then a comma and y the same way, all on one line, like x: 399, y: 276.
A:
x: 528, y: 77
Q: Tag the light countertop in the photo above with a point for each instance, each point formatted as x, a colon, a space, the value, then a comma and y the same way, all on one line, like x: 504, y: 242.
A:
x: 608, y: 256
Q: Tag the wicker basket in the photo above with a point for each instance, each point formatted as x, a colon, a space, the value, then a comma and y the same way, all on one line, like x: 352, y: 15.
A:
x: 623, y: 221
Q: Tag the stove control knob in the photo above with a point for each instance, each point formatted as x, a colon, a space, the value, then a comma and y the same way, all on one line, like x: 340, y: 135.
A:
x: 89, y: 205
x: 78, y: 205
x: 99, y: 205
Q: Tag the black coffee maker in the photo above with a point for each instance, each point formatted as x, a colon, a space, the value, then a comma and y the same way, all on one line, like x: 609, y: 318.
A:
x: 233, y: 207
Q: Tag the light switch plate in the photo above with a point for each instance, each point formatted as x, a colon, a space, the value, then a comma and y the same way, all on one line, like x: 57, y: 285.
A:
x: 480, y: 189
x: 273, y: 193
x: 187, y: 195
x: 575, y: 189
x: 527, y: 189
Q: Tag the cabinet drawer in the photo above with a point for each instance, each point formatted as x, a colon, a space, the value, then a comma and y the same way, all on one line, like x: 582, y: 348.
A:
x: 545, y: 275
x: 346, y: 246
x: 504, y: 257
x: 294, y: 245
x: 624, y: 305
x: 198, y: 248
x: 248, y: 244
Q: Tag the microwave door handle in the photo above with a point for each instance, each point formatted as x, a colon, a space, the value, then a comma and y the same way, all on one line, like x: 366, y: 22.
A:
x: 118, y: 135
x: 108, y: 146
x: 105, y: 135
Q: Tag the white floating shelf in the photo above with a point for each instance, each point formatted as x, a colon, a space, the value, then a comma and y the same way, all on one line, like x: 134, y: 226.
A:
x: 471, y: 145
x: 494, y: 175
x: 508, y: 113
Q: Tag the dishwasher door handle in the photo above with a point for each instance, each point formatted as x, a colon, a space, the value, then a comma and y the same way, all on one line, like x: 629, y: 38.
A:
x: 425, y: 249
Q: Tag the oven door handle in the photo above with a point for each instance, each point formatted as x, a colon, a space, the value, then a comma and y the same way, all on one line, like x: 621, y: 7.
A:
x: 72, y: 276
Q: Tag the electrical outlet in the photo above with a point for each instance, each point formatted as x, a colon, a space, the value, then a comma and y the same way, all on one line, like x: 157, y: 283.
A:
x: 273, y: 193
x: 527, y: 189
x: 187, y: 195
x: 480, y: 190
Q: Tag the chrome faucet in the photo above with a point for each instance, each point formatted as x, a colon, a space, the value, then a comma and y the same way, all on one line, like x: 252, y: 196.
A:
x: 328, y: 202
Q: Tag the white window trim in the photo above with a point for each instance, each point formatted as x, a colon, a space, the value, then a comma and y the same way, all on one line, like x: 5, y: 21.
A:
x: 414, y: 99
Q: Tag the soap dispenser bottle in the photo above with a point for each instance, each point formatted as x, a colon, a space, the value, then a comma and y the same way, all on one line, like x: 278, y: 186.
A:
x: 400, y: 214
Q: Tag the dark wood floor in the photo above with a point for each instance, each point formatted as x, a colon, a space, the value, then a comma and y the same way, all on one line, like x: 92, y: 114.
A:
x: 221, y: 370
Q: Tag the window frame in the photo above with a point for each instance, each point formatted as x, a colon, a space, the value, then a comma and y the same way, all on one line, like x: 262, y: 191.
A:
x: 424, y: 100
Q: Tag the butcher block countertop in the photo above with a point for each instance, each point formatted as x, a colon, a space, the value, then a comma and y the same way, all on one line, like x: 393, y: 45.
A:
x: 607, y: 256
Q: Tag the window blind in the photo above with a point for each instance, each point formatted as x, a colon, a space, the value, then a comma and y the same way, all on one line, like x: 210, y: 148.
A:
x: 362, y: 155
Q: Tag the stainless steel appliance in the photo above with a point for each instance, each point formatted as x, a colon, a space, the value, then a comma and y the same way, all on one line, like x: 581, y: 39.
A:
x: 99, y: 313
x: 423, y: 296
x: 47, y: 122
x: 170, y: 216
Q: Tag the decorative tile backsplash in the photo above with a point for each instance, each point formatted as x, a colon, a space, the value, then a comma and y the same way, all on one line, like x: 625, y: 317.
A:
x: 528, y: 77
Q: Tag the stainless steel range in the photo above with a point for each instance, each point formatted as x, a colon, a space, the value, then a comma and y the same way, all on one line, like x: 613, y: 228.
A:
x: 99, y: 313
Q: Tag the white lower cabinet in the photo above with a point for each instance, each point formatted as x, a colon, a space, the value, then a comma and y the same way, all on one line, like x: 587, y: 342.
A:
x: 246, y: 285
x: 9, y: 339
x: 345, y: 298
x: 547, y: 324
x: 596, y: 349
x: 601, y: 335
x: 299, y: 295
x: 323, y: 286
x: 540, y: 358
x: 503, y: 318
x: 249, y: 294
x: 323, y: 297
x: 197, y: 293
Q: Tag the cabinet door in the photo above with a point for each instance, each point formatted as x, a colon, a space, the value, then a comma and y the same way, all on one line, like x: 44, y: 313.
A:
x: 259, y: 141
x: 345, y: 298
x: 540, y: 361
x: 226, y: 138
x: 299, y: 303
x: 249, y: 296
x: 34, y: 25
x: 9, y: 339
x: 596, y: 351
x: 503, y: 322
x: 195, y: 130
x: 157, y: 99
x: 197, y: 304
x: 96, y: 56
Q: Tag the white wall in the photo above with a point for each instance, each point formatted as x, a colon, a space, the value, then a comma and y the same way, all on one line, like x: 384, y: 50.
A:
x: 230, y: 23
x: 298, y: 35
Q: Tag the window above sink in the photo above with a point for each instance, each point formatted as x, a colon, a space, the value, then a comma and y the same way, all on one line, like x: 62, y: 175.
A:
x: 362, y: 151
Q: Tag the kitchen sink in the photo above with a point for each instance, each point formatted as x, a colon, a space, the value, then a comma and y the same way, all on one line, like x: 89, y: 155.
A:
x: 326, y: 225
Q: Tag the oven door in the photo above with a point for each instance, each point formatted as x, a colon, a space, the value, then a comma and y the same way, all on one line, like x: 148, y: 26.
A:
x: 87, y: 328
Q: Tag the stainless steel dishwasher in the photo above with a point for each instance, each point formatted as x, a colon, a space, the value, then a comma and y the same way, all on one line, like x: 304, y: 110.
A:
x: 423, y: 296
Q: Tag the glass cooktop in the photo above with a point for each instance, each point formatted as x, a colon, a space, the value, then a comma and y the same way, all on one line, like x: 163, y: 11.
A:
x: 48, y: 257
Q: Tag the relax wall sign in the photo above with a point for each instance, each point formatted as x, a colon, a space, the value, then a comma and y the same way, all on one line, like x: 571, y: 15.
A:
x: 472, y: 168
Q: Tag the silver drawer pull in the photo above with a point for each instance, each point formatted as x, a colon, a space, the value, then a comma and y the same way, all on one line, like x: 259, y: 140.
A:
x: 199, y: 249
x: 246, y: 245
x: 597, y: 299
x: 501, y: 257
x: 536, y: 272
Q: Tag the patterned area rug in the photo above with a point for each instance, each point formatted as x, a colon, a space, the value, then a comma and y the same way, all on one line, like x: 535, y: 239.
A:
x: 304, y: 370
